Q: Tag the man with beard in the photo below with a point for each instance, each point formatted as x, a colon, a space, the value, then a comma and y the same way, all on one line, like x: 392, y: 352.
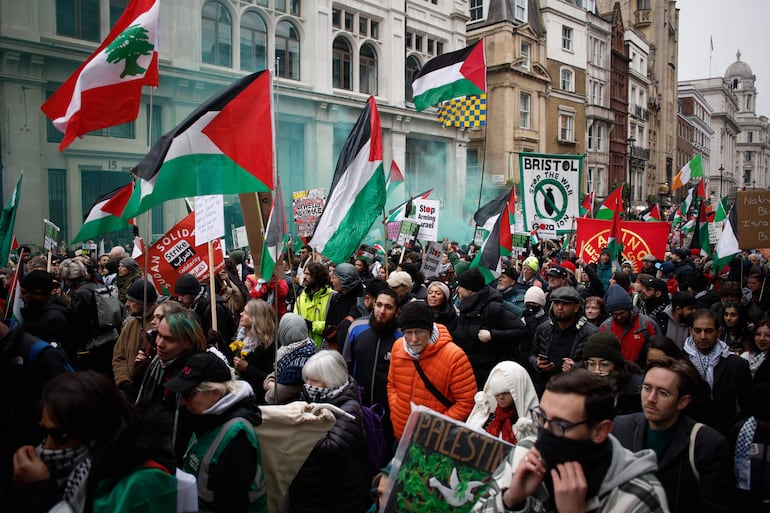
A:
x: 506, y: 286
x: 312, y: 303
x: 370, y: 346
x: 486, y: 330
x: 575, y: 464
x: 558, y: 343
x: 648, y: 264
x: 654, y: 294
x: 678, y: 317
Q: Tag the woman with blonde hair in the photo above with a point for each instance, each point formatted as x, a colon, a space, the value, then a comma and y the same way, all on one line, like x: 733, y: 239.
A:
x: 253, y: 350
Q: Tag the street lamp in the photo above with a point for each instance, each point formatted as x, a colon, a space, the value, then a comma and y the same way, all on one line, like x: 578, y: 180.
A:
x: 631, y: 141
x: 721, y: 180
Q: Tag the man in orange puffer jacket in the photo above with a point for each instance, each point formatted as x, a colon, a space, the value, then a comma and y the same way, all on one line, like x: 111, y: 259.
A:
x: 445, y: 366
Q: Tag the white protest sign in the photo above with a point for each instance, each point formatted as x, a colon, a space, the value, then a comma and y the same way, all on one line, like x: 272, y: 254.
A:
x: 550, y: 185
x: 209, y: 218
x: 432, y: 259
x: 240, y: 240
x: 426, y: 213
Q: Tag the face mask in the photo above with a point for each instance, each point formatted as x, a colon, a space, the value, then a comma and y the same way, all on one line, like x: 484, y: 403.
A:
x: 60, y: 462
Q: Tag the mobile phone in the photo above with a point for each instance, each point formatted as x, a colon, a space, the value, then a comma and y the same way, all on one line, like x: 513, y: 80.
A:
x: 543, y: 357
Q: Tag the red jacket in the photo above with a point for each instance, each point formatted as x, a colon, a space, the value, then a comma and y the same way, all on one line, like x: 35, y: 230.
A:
x: 445, y: 365
x: 267, y: 288
x: 632, y: 338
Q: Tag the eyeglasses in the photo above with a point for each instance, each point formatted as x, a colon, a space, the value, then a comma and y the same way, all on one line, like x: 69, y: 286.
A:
x: 557, y: 427
x: 58, y: 435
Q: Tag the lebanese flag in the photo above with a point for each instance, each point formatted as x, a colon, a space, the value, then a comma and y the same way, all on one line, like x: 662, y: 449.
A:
x: 106, y: 89
x: 451, y: 75
x: 224, y: 147
x: 495, y: 218
x: 104, y: 215
x: 357, y: 194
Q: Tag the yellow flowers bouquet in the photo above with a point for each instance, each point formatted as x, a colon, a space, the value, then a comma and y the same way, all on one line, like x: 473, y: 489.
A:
x: 236, y: 346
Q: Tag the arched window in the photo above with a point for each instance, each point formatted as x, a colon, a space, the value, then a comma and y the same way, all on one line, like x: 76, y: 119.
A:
x: 253, y: 42
x: 567, y: 79
x: 287, y: 50
x: 367, y: 70
x: 217, y: 37
x: 412, y: 68
x: 342, y: 64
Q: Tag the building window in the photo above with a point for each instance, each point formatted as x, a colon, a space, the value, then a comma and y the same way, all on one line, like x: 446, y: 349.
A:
x: 597, y: 93
x: 524, y: 110
x: 57, y: 199
x: 439, y: 48
x: 598, y: 48
x: 253, y: 42
x: 336, y: 16
x: 599, y: 137
x: 217, y: 34
x: 521, y: 10
x: 566, y: 127
x: 342, y: 64
x: 590, y: 179
x: 116, y: 9
x: 566, y: 38
x: 642, y: 5
x: 476, y: 9
x: 287, y: 50
x: 591, y: 136
x: 749, y: 136
x: 122, y: 131
x: 375, y: 32
x: 525, y: 54
x: 367, y: 70
x: 78, y: 19
x: 567, y: 82
x: 349, y: 22
x: 408, y: 40
x: 363, y: 26
x: 412, y: 69
x: 430, y: 46
x: 418, y: 42
x: 293, y: 5
x: 748, y: 156
x: 156, y: 123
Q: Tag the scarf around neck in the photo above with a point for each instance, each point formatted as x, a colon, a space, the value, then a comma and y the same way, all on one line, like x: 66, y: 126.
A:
x: 70, y: 469
x: 705, y: 363
x: 502, y: 424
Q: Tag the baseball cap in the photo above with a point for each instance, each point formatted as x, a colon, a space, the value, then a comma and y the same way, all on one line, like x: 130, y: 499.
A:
x: 655, y: 284
x: 557, y: 272
x: 199, y: 368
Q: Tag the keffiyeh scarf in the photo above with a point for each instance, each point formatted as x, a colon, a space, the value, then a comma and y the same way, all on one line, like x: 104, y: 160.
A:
x: 742, y: 461
x: 705, y: 363
x: 70, y: 469
x: 323, y: 395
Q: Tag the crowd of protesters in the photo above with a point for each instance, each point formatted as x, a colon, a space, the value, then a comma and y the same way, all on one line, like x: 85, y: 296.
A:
x: 625, y: 387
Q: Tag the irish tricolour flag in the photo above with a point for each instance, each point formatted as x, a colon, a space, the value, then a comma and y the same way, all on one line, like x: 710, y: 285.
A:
x: 451, y: 75
x: 223, y: 147
x: 357, y: 194
x: 106, y: 89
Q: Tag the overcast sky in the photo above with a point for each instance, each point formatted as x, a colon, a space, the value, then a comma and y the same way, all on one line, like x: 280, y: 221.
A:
x: 734, y: 25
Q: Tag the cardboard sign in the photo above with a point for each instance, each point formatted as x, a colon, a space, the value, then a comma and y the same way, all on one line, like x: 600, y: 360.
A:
x: 307, y: 207
x: 209, y: 218
x: 753, y: 218
x: 176, y: 254
x: 50, y: 235
x: 426, y: 213
x: 550, y: 186
x: 441, y: 465
x: 432, y: 259
x: 407, y: 233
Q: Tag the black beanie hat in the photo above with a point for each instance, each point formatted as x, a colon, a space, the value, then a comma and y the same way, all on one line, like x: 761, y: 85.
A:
x: 416, y: 314
x: 187, y: 284
x: 135, y: 293
x: 472, y: 279
x: 605, y: 345
x: 37, y: 281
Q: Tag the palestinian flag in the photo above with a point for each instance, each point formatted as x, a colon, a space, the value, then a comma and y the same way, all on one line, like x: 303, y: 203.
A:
x: 106, y: 89
x: 495, y: 218
x: 727, y: 247
x: 357, y: 194
x: 587, y: 207
x: 612, y: 205
x: 615, y: 240
x: 451, y: 75
x: 8, y: 221
x: 700, y: 237
x: 105, y: 214
x: 687, y: 202
x: 693, y: 169
x: 652, y: 215
x: 404, y: 209
x: 395, y: 179
x: 275, y: 235
x: 722, y: 210
x: 224, y: 147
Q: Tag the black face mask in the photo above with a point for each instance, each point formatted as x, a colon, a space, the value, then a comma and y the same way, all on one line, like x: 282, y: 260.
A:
x: 594, y: 458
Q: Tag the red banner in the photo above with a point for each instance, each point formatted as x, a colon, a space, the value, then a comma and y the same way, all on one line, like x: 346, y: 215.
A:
x: 638, y: 239
x: 175, y: 254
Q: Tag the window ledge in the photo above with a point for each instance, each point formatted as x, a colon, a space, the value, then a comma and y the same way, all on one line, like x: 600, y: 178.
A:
x: 565, y: 141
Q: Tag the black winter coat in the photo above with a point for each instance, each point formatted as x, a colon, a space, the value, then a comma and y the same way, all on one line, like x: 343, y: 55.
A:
x: 333, y: 478
x: 49, y: 321
x: 485, y: 310
x: 713, y: 494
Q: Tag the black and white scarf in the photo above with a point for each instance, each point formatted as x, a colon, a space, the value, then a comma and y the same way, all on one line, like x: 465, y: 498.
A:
x: 70, y: 469
x: 323, y: 395
x: 705, y: 363
x: 742, y: 462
